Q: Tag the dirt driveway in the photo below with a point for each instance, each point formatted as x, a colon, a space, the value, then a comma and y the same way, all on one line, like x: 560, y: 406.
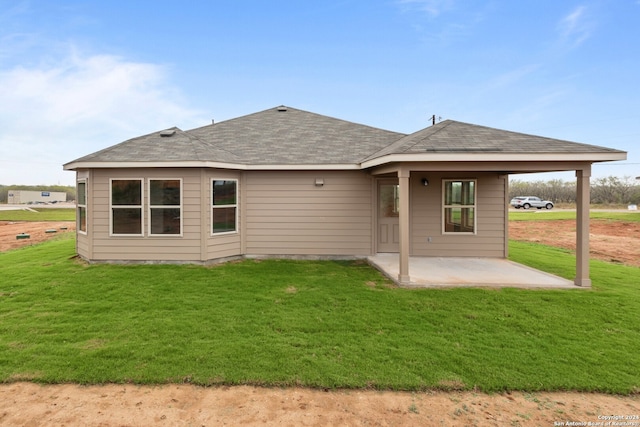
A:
x: 26, y: 404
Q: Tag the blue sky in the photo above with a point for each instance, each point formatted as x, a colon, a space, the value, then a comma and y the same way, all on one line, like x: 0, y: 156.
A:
x: 79, y: 76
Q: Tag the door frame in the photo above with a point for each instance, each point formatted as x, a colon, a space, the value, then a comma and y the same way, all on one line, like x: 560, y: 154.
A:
x: 378, y: 183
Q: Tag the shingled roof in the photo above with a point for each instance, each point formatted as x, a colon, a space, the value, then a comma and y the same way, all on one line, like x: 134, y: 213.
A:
x: 451, y: 136
x: 279, y: 135
x: 285, y: 136
x: 169, y: 145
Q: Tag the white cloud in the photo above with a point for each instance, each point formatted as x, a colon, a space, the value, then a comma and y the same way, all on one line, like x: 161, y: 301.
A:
x: 55, y: 112
x: 431, y: 7
x: 443, y: 22
x: 576, y: 27
x: 512, y: 78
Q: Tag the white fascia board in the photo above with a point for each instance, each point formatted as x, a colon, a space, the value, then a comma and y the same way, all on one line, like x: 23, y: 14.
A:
x: 392, y: 158
x: 206, y: 164
x: 329, y: 166
x: 494, y: 157
x: 132, y: 165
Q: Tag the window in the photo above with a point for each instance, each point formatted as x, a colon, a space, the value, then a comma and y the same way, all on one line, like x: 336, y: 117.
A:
x: 126, y: 207
x: 81, y: 207
x: 165, y: 207
x: 224, y: 206
x: 389, y: 200
x: 459, y: 206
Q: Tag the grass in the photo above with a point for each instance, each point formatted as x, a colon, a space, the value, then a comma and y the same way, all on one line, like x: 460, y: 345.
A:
x: 69, y: 214
x: 312, y: 323
x: 537, y: 215
x: 40, y: 214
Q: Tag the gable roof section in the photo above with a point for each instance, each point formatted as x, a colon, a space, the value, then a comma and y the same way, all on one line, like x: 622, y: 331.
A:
x: 287, y: 138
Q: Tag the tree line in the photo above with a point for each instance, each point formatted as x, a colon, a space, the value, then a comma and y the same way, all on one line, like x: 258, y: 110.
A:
x: 70, y: 190
x: 608, y: 190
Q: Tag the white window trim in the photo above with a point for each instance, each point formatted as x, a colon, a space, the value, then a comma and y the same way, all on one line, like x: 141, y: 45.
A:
x: 211, y: 205
x: 78, y: 205
x: 150, y: 206
x: 141, y: 206
x: 474, y: 206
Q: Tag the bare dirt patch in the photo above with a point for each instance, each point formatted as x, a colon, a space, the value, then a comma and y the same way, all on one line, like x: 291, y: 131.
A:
x: 27, y: 404
x: 37, y: 232
x: 612, y: 241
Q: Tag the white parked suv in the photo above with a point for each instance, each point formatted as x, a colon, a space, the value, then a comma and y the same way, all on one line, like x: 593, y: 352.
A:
x: 530, y: 202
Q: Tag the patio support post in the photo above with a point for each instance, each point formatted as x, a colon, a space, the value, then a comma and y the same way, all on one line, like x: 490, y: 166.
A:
x: 403, y: 178
x: 583, y: 201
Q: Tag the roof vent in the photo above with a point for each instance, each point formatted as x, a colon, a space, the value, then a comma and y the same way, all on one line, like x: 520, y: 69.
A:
x: 282, y: 108
x: 168, y: 132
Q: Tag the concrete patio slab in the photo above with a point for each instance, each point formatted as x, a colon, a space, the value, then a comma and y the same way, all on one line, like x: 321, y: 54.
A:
x: 426, y: 272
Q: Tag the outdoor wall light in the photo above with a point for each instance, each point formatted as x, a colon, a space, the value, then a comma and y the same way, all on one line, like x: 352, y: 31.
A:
x: 319, y: 182
x: 425, y: 181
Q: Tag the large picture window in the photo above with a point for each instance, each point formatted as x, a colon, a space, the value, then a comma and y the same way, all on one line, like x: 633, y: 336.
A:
x: 165, y: 207
x: 459, y: 206
x: 126, y: 207
x: 224, y: 206
x: 81, y: 206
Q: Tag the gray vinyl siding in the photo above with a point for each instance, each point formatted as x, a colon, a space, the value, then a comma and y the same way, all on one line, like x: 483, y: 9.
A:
x: 287, y: 214
x: 426, y: 218
x: 146, y: 248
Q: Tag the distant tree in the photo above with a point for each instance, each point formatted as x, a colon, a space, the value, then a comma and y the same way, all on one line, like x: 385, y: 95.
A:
x: 612, y: 190
x: 558, y: 191
x: 634, y: 198
x: 609, y: 190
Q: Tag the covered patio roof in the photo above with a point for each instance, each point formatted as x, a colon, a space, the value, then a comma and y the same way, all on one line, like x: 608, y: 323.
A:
x: 404, y: 171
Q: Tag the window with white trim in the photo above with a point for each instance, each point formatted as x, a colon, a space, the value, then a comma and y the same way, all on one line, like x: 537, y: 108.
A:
x: 81, y: 206
x: 224, y: 206
x: 165, y: 207
x: 459, y: 206
x: 125, y: 199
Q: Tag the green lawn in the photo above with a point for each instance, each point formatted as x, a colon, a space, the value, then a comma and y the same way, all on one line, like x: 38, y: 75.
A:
x: 537, y: 215
x: 69, y: 214
x: 312, y: 323
x: 40, y: 214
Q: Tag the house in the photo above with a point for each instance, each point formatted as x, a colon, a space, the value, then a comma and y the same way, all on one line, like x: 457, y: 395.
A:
x: 286, y: 182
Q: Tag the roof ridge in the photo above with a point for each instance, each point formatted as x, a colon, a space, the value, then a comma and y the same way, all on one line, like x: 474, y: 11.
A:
x: 201, y: 153
x: 443, y: 126
x: 406, y: 137
x: 115, y: 146
x: 340, y: 120
x: 531, y: 135
x: 298, y: 110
